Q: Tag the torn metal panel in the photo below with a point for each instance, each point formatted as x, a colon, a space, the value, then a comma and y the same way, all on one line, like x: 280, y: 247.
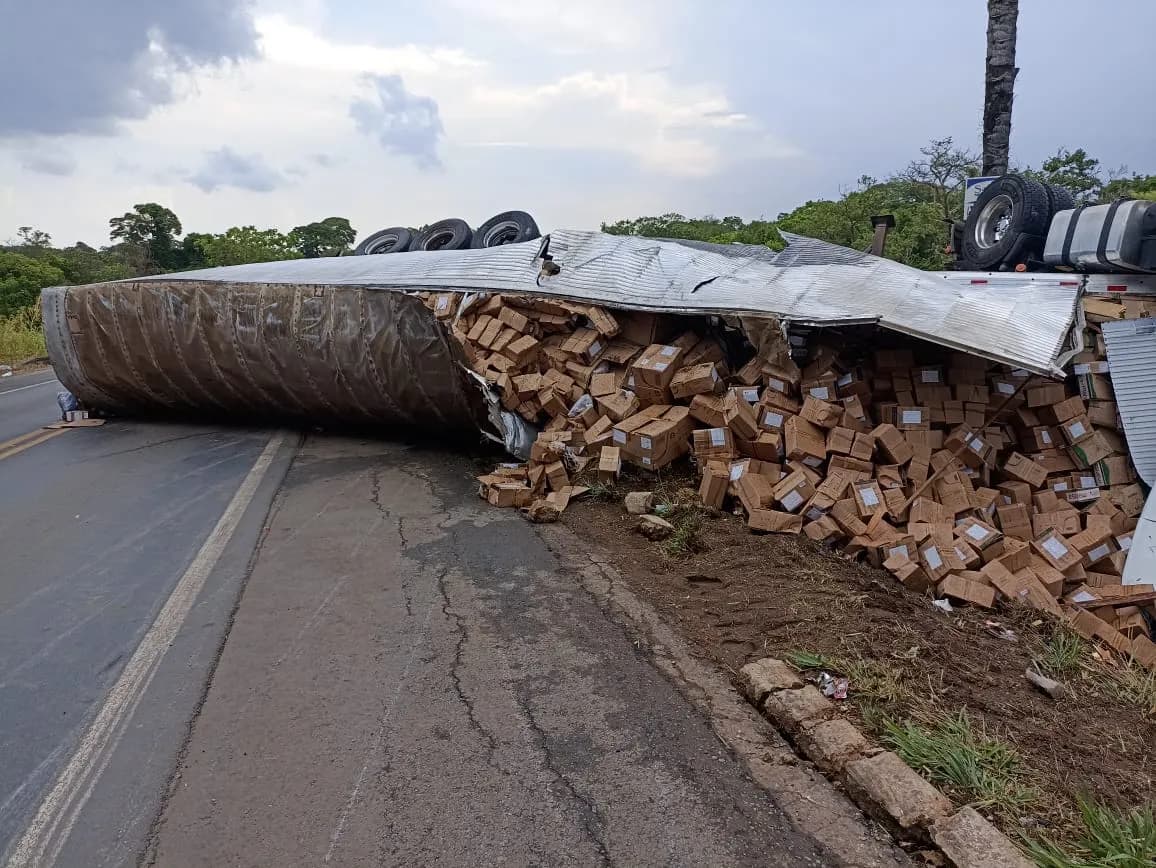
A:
x: 1132, y: 358
x: 811, y: 282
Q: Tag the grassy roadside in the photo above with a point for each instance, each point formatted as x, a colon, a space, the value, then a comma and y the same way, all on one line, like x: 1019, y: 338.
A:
x: 21, y: 337
x: 986, y: 770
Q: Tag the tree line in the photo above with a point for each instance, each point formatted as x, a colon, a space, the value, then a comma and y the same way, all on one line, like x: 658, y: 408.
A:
x: 147, y: 240
x: 925, y: 197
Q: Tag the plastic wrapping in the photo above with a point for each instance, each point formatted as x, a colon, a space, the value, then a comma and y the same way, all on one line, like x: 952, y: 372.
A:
x: 258, y: 350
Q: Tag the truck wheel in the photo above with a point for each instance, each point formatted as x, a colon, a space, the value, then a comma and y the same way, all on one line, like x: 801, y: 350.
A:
x: 394, y: 240
x: 509, y: 227
x: 452, y: 234
x: 1061, y: 199
x: 1011, y: 206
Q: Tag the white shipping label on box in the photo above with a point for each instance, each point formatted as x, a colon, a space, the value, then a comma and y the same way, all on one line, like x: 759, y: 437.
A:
x: 668, y: 351
x: 1006, y: 499
x: 868, y: 495
x: 737, y: 470
x: 751, y: 396
x: 812, y: 461
x: 933, y: 559
x: 595, y: 349
x: 1101, y: 551
x: 977, y: 445
x: 777, y: 385
x: 912, y: 417
x: 1083, y: 597
x: 443, y: 303
x: 1005, y: 388
x: 961, y: 554
x: 714, y: 374
x: 814, y: 513
x: 1087, y: 482
x: 660, y: 366
x: 1125, y: 543
x: 897, y: 550
x: 630, y: 382
x: 821, y: 392
x: 844, y: 380
x: 977, y: 533
x: 1046, y: 436
x: 646, y: 443
x: 646, y: 460
x: 1055, y: 548
x: 792, y: 501
x: 619, y: 437
x: 931, y: 376
x: 775, y: 420
x: 1060, y: 486
x: 1077, y: 429
x: 718, y: 437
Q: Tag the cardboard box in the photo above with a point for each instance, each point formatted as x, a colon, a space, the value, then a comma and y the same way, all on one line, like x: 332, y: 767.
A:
x: 1062, y: 411
x: 1077, y: 429
x: 961, y: 590
x: 701, y: 379
x: 755, y: 491
x: 715, y: 480
x: 974, y: 450
x: 1092, y: 450
x: 712, y: 443
x: 803, y: 441
x: 740, y: 417
x: 750, y: 394
x: 1015, y: 520
x: 1056, y: 550
x: 620, y: 352
x: 1023, y: 469
x: 932, y: 558
x: 840, y: 440
x: 868, y: 498
x: 768, y: 446
x: 981, y: 536
x: 821, y: 413
x: 657, y: 365
x: 1104, y: 414
x: 793, y: 491
x: 1095, y: 387
x: 912, y: 419
x: 1113, y: 470
x: 618, y: 405
x: 772, y: 521
x: 821, y: 389
x: 1016, y: 555
x: 823, y: 529
x: 1042, y: 396
x: 1129, y: 499
x: 585, y: 344
x: 772, y: 418
x: 892, y: 445
x: 709, y: 409
x: 609, y: 464
x: 863, y: 448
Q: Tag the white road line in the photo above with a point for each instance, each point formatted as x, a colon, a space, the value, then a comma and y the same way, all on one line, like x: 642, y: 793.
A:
x: 46, y: 835
x: 22, y: 388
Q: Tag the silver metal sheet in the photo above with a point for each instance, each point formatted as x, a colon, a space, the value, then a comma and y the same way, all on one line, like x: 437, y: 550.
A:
x: 1132, y: 359
x: 811, y: 282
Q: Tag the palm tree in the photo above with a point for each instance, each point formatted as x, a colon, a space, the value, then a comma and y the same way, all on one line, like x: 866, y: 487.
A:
x: 999, y: 82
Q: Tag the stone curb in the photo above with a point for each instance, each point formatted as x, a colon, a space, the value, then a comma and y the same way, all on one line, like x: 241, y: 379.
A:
x: 883, y: 786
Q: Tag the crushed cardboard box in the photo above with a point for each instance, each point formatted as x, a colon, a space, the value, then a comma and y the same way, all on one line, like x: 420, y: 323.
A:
x: 892, y: 452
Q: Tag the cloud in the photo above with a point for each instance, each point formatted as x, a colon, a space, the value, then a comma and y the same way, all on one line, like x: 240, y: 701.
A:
x: 68, y: 67
x: 325, y: 161
x: 47, y: 161
x: 224, y: 167
x: 403, y: 123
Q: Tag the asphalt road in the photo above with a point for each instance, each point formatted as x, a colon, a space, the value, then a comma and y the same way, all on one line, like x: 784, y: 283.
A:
x: 225, y: 646
x: 26, y: 402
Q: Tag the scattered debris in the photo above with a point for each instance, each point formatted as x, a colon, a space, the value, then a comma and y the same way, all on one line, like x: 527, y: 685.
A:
x: 974, y: 482
x: 1049, y: 686
x: 995, y: 628
x: 832, y: 687
x: 654, y: 528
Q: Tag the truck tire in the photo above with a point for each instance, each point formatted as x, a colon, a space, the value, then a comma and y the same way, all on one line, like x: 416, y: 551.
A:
x: 393, y: 240
x: 509, y: 227
x: 1011, y: 206
x: 1061, y: 199
x: 451, y: 234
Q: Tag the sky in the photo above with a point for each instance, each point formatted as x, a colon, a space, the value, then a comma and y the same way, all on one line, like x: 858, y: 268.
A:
x: 276, y: 113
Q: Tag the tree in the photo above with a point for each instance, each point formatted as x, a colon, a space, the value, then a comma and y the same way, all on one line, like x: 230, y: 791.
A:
x: 727, y: 230
x: 329, y: 237
x: 153, y: 229
x: 1075, y: 171
x: 943, y: 170
x: 242, y: 244
x: 30, y: 237
x: 999, y: 83
x: 22, y: 278
x: 1125, y: 186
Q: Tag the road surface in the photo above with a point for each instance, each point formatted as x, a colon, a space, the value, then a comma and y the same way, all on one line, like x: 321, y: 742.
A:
x: 229, y: 646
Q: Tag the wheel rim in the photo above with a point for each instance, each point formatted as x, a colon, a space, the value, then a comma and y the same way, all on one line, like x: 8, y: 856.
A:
x: 383, y: 245
x: 439, y: 239
x: 505, y: 232
x: 992, y: 224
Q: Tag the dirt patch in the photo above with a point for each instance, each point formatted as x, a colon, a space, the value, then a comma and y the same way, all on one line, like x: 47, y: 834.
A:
x: 745, y: 596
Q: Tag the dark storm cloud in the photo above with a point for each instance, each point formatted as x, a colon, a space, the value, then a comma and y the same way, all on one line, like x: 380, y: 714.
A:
x: 79, y: 67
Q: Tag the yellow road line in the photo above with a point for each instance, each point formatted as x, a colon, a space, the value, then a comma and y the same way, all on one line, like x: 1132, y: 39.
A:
x: 26, y: 441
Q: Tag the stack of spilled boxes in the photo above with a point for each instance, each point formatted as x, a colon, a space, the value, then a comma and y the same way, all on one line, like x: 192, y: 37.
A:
x: 898, y: 460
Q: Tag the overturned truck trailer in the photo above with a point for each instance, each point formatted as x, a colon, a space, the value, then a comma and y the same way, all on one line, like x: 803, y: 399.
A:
x: 347, y: 338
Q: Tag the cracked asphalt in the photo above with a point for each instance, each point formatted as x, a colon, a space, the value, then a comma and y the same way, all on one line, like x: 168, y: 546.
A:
x: 414, y: 678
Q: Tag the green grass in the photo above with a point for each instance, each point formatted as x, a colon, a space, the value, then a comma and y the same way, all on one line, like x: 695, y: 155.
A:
x: 1135, y: 685
x: 1063, y: 653
x: 947, y: 749
x: 803, y: 660
x: 21, y: 337
x: 1111, y: 840
x: 683, y: 509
